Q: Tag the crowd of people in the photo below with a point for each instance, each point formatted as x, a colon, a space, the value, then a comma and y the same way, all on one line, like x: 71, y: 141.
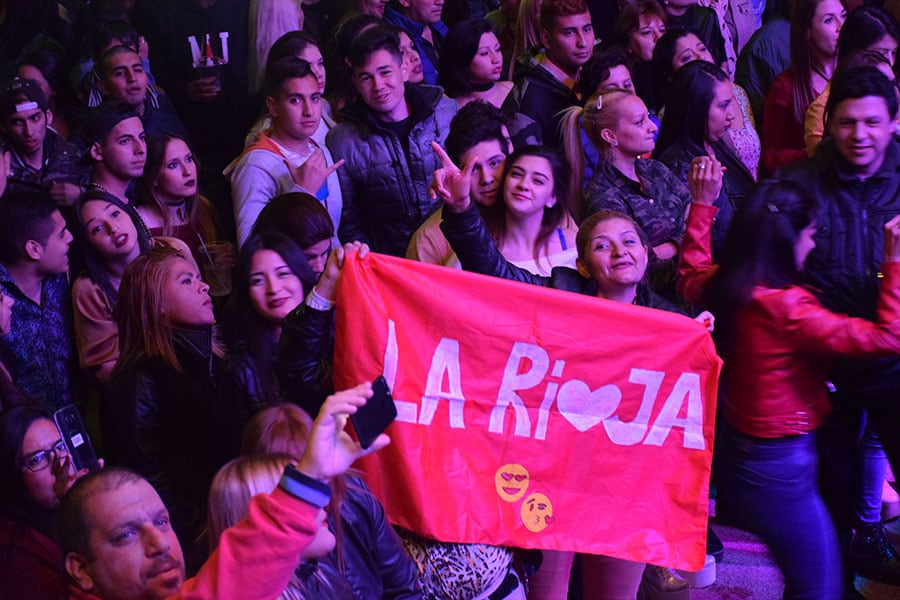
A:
x: 182, y: 180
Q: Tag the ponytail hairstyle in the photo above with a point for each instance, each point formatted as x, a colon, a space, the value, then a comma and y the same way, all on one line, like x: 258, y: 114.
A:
x: 599, y: 113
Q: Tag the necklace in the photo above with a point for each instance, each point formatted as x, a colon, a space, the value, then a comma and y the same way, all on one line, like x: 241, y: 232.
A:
x: 820, y: 73
x: 100, y: 187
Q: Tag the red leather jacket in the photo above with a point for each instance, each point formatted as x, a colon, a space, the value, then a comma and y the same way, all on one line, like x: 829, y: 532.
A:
x: 775, y: 381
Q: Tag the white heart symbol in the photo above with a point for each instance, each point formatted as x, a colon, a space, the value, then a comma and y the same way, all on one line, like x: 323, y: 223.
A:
x: 583, y: 408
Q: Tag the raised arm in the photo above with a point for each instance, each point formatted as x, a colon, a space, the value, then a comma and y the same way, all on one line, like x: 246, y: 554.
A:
x: 256, y: 558
x: 695, y: 266
x: 465, y: 229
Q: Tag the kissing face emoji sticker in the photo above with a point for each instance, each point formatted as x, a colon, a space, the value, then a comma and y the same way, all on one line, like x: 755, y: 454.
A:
x: 537, y: 512
x: 511, y: 481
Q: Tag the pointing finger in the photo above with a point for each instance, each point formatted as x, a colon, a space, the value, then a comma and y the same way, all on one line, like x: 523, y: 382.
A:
x: 442, y: 154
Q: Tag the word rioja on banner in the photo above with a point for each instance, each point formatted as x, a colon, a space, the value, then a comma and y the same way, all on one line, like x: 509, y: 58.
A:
x: 583, y: 408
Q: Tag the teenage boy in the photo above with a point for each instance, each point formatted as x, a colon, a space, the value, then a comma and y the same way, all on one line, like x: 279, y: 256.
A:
x: 40, y: 160
x: 34, y: 261
x: 478, y: 131
x: 545, y: 83
x: 117, y: 150
x: 385, y: 139
x: 123, y: 78
x: 286, y: 158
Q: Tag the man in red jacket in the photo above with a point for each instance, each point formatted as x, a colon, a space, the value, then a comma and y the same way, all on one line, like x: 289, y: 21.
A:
x: 119, y: 544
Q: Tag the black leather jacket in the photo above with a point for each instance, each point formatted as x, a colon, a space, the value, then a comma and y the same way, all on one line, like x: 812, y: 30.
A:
x: 846, y: 262
x: 737, y: 183
x: 303, y: 362
x: 175, y: 428
x: 375, y: 563
x: 469, y: 238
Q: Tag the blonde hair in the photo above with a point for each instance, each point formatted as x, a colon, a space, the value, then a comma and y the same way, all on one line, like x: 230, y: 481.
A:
x: 593, y: 120
x: 235, y: 484
x: 279, y: 429
x: 285, y: 429
x: 528, y: 32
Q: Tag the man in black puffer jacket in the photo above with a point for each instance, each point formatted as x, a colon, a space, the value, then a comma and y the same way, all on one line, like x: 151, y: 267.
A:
x: 385, y: 139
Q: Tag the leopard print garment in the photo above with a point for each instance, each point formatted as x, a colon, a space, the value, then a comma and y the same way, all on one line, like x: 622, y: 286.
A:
x: 457, y: 571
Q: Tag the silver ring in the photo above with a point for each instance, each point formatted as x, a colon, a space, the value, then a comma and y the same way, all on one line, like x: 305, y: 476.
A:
x: 702, y: 165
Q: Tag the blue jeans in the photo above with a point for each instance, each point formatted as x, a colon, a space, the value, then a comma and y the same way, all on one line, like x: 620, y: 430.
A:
x: 772, y: 490
x: 872, y: 467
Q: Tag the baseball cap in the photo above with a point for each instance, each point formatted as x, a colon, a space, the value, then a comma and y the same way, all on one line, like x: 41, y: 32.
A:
x: 104, y: 117
x: 20, y: 95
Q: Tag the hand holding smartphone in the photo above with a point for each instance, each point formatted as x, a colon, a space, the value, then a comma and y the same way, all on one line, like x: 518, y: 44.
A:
x: 375, y: 416
x: 75, y: 436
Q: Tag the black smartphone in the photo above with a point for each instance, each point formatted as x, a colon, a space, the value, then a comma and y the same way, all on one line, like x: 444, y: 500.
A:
x: 75, y: 436
x: 378, y: 412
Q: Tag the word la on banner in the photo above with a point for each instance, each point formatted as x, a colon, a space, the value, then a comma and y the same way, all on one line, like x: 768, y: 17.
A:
x: 532, y: 417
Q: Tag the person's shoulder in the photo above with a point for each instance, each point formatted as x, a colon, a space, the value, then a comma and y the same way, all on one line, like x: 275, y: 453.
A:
x: 85, y: 287
x: 652, y: 167
x: 783, y: 302
x: 674, y: 155
x: 60, y: 147
x: 347, y: 131
x: 650, y: 299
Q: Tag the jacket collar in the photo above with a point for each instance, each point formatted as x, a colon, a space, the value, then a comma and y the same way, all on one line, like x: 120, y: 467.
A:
x: 828, y: 158
x: 422, y: 99
x: 193, y: 346
x: 414, y: 28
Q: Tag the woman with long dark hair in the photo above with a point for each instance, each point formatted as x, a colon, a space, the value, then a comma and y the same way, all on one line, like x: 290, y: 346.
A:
x: 272, y: 279
x: 168, y: 195
x: 31, y: 453
x: 471, y: 64
x: 776, y: 339
x: 678, y: 47
x: 698, y: 117
x: 110, y: 236
x: 815, y: 25
x: 110, y: 239
x: 532, y: 223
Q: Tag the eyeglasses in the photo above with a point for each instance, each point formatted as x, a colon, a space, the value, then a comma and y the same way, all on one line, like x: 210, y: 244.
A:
x: 40, y: 460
